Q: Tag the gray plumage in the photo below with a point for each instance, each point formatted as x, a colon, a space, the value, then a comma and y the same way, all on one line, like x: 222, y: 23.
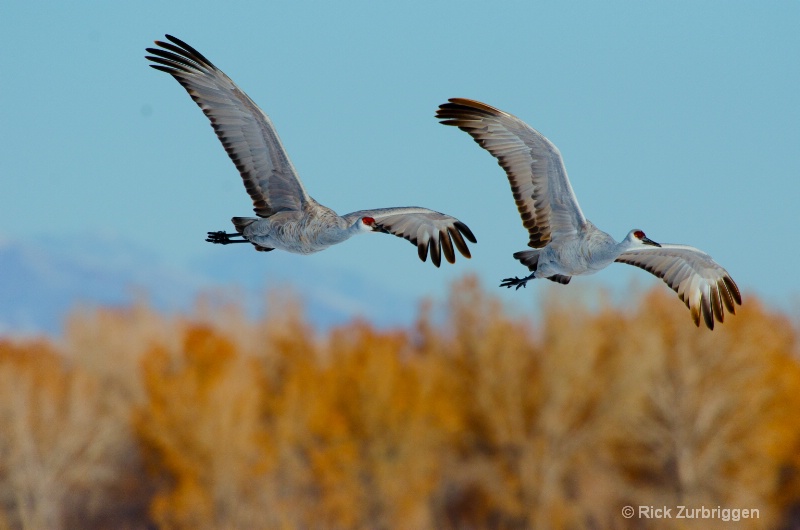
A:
x: 564, y: 243
x: 288, y: 218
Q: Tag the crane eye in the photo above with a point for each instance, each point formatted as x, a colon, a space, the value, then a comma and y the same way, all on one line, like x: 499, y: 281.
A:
x: 639, y: 234
x: 369, y: 221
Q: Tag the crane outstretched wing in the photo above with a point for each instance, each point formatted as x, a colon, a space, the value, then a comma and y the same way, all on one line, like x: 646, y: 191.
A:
x: 429, y: 230
x: 245, y: 130
x: 702, y: 283
x: 535, y: 170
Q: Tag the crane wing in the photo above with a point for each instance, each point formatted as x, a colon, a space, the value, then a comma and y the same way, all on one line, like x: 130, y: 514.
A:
x: 245, y: 130
x: 702, y: 283
x: 429, y: 230
x: 535, y: 170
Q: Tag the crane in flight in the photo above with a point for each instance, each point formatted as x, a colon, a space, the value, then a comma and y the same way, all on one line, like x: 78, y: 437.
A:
x: 287, y: 217
x: 564, y: 243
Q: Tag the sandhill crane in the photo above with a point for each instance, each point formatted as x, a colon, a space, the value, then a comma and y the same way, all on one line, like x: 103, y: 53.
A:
x: 287, y: 217
x: 564, y: 242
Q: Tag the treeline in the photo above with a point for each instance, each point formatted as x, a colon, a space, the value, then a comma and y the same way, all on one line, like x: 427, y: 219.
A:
x: 472, y: 418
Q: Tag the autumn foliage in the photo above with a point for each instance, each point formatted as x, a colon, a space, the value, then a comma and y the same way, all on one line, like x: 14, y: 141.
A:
x: 470, y: 418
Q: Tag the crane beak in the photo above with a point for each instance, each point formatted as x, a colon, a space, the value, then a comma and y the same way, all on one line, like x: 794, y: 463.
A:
x: 648, y: 241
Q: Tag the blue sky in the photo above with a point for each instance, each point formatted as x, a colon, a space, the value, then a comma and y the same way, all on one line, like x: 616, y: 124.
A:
x: 680, y: 118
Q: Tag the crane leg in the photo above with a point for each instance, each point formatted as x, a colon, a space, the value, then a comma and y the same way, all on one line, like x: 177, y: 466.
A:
x: 223, y: 238
x: 516, y: 282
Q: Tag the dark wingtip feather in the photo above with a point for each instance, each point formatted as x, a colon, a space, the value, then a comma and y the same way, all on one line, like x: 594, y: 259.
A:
x: 162, y: 68
x: 188, y: 48
x: 727, y: 297
x: 695, y: 310
x: 459, y: 242
x: 422, y: 250
x: 180, y: 52
x: 172, y: 65
x: 436, y: 253
x: 447, y: 246
x: 716, y: 303
x: 733, y: 288
x: 708, y: 315
x: 469, y: 107
x: 466, y: 231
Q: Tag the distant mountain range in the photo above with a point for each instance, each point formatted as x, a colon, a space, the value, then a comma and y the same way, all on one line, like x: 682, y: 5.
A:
x: 42, y: 280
